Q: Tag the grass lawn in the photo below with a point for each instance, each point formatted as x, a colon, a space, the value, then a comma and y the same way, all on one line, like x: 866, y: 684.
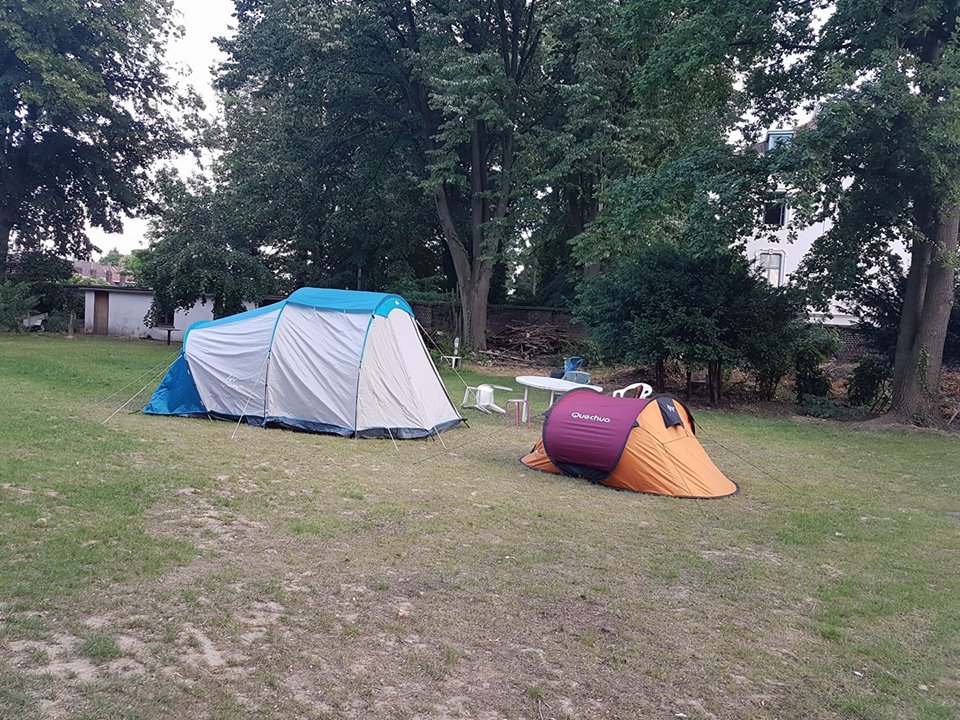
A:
x: 155, y: 568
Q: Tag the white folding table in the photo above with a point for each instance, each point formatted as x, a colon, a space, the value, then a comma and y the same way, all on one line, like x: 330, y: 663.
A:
x: 555, y: 386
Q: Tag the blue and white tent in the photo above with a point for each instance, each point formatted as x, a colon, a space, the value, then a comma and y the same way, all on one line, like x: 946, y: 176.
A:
x: 325, y: 361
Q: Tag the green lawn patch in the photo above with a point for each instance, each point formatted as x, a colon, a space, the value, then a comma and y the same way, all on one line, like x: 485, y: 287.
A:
x: 154, y: 567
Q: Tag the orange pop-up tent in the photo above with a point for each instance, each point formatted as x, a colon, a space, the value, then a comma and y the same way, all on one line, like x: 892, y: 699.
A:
x: 645, y: 445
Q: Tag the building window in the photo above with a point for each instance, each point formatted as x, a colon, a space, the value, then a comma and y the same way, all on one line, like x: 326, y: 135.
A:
x: 775, y: 213
x: 166, y: 319
x: 779, y: 137
x: 770, y: 263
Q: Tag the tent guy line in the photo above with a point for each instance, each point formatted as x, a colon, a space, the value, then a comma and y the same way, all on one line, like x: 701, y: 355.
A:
x: 150, y: 382
x: 711, y: 438
x: 440, y: 350
x: 152, y: 371
x: 243, y: 412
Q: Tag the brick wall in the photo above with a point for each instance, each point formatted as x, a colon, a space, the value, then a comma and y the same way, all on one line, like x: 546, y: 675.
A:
x: 441, y: 316
x: 853, y: 345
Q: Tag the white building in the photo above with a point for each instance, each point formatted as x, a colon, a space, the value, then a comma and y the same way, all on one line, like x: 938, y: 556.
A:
x: 120, y: 311
x: 780, y: 260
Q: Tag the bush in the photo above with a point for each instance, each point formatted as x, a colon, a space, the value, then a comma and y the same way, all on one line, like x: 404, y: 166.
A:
x: 821, y: 407
x: 59, y: 322
x: 869, y: 384
x: 667, y: 302
x: 816, y: 345
x: 16, y: 303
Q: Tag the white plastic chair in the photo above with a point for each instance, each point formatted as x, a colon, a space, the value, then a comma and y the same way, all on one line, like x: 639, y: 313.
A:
x: 647, y: 391
x: 455, y: 358
x: 483, y: 399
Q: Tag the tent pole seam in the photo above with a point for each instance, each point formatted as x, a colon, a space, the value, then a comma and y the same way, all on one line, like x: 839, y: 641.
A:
x: 363, y: 349
x: 266, y: 378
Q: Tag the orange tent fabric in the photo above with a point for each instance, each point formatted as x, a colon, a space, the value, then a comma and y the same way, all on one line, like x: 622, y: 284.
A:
x: 656, y: 458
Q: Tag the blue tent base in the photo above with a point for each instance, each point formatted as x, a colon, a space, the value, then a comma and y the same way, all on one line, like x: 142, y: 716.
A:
x: 177, y: 393
x: 315, y: 428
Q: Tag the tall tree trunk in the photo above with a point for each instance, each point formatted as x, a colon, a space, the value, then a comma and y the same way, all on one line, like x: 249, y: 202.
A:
x: 938, y: 298
x: 473, y: 278
x: 661, y: 375
x: 584, y: 204
x: 905, y: 391
x: 929, y: 292
x: 715, y: 381
x: 474, y: 250
x: 923, y: 321
x: 6, y: 227
x: 474, y: 304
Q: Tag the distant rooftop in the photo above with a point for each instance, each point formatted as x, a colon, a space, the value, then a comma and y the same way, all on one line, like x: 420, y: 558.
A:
x: 112, y: 274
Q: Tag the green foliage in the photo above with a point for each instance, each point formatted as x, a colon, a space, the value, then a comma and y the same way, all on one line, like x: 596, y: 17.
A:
x: 16, y: 303
x: 86, y: 107
x: 869, y: 383
x: 59, y: 321
x: 815, y: 346
x: 43, y: 273
x: 893, y: 137
x: 879, y: 304
x: 112, y: 257
x: 881, y: 161
x: 667, y: 302
x: 710, y: 199
x: 133, y: 263
x: 391, y: 139
x: 428, y: 289
x: 197, y: 254
x: 820, y: 406
x: 78, y: 279
x: 693, y: 76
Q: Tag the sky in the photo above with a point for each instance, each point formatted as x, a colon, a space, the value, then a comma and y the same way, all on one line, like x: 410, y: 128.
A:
x: 195, y: 53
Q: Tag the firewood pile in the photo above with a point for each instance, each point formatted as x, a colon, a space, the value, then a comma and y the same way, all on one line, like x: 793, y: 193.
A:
x: 526, y: 341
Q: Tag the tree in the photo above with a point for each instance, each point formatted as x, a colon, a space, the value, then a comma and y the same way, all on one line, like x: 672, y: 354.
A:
x: 879, y: 305
x: 596, y: 132
x: 691, y: 83
x: 666, y: 302
x: 112, y: 257
x: 196, y: 254
x: 42, y: 273
x: 454, y: 88
x: 16, y: 303
x: 84, y: 111
x: 883, y: 162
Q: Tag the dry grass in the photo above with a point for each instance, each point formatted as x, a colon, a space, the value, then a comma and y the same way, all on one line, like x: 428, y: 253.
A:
x: 154, y: 568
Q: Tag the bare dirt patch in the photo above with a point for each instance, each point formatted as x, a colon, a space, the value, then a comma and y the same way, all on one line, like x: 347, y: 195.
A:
x: 58, y: 657
x: 196, y: 518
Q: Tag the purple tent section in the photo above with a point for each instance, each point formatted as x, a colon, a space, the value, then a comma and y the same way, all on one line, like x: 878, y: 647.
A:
x: 585, y: 432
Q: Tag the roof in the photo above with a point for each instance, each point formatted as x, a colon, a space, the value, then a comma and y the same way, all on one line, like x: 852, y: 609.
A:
x: 130, y: 289
x: 350, y: 301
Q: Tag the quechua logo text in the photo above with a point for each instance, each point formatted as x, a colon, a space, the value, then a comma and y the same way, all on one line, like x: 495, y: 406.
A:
x: 593, y: 418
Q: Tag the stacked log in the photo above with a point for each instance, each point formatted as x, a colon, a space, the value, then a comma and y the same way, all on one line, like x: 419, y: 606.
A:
x: 526, y: 341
